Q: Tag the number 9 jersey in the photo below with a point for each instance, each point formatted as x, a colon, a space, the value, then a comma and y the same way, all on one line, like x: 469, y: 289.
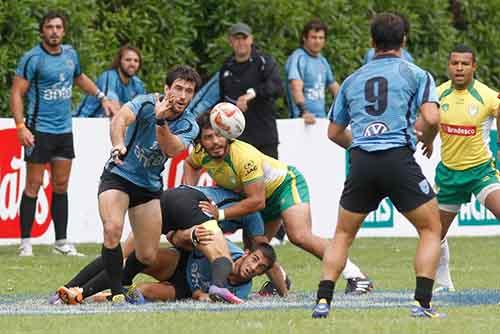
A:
x: 380, y: 102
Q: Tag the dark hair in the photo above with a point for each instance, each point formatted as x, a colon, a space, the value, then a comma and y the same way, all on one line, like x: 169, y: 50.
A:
x: 462, y: 48
x: 50, y: 16
x: 121, y: 52
x: 388, y: 31
x: 183, y: 72
x: 406, y: 24
x: 268, y: 252
x: 316, y: 25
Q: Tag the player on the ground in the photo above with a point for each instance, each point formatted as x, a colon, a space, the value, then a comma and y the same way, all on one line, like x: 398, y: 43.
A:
x: 270, y: 186
x: 468, y: 108
x: 120, y: 83
x: 144, y: 134
x: 380, y: 102
x: 184, y: 217
x: 46, y: 74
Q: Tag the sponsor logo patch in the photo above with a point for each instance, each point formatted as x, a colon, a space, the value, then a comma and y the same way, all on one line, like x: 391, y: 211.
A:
x: 459, y: 130
x: 375, y: 129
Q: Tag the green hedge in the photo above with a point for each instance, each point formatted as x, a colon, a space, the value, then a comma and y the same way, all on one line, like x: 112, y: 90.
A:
x: 195, y: 32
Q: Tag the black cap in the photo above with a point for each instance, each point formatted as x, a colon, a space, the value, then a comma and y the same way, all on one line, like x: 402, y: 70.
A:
x: 240, y: 28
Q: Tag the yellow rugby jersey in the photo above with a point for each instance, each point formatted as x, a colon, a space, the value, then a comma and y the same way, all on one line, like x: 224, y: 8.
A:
x: 466, y: 117
x: 244, y: 164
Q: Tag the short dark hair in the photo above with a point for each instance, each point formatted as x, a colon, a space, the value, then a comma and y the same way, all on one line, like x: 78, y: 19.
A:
x: 388, y: 31
x: 121, y: 52
x: 462, y: 48
x: 183, y: 72
x: 316, y: 25
x: 50, y: 16
x: 268, y: 252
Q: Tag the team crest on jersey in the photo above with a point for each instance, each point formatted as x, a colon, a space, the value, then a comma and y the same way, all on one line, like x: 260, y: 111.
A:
x: 61, y: 76
x: 375, y: 129
x: 70, y: 63
x: 473, y: 109
x: 226, y: 73
x: 424, y: 186
x: 445, y: 107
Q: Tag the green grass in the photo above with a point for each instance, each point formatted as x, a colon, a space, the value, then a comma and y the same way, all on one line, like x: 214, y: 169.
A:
x: 388, y: 262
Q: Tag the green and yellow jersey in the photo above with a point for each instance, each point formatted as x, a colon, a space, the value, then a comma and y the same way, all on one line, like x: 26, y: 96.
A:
x: 243, y: 164
x: 466, y: 118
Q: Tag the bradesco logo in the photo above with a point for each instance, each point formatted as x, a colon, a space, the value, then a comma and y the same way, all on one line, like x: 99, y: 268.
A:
x: 12, y: 181
x: 383, y: 216
x: 474, y: 213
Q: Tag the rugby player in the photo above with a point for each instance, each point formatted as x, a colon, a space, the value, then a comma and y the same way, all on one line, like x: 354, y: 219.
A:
x: 120, y: 83
x: 46, y: 75
x: 380, y: 102
x: 144, y: 133
x: 468, y: 108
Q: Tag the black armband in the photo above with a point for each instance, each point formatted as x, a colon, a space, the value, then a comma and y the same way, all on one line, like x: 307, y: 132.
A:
x: 302, y: 109
x: 161, y: 121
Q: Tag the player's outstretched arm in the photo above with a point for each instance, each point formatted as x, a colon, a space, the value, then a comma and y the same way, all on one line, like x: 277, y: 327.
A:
x: 89, y: 87
x: 191, y: 172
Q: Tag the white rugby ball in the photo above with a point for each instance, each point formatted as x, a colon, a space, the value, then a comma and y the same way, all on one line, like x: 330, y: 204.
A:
x: 227, y: 120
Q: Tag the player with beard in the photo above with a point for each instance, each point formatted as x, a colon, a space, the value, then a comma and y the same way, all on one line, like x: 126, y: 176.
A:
x: 120, y: 83
x: 144, y: 134
x: 45, y: 75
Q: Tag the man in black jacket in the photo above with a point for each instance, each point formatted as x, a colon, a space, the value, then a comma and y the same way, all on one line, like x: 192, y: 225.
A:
x: 251, y: 80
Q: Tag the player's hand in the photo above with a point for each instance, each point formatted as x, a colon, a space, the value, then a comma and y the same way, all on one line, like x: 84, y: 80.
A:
x: 204, y: 297
x: 427, y: 149
x: 25, y: 137
x: 204, y: 236
x: 242, y: 103
x: 309, y: 118
x: 163, y: 107
x: 209, y: 208
x: 118, y: 153
x: 110, y: 107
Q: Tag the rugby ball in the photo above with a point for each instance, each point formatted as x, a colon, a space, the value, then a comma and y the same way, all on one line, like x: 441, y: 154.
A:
x: 227, y: 120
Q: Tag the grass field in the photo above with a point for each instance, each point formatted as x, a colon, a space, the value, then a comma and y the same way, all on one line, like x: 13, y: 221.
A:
x: 387, y: 261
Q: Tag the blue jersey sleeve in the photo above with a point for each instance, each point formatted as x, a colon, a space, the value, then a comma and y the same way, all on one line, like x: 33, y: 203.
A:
x: 76, y: 59
x: 27, y: 66
x: 293, y: 68
x: 186, y: 129
x: 339, y: 112
x: 426, y: 89
x: 139, y: 101
x: 206, y: 97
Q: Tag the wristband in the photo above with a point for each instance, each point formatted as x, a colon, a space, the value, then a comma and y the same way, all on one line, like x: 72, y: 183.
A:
x: 20, y: 126
x: 302, y: 108
x: 221, y: 215
x: 194, y: 238
x: 100, y: 95
x: 160, y: 121
x: 251, y: 92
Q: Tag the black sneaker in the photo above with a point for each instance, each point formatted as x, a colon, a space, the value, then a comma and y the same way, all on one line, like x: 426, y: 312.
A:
x: 269, y: 289
x: 358, y: 286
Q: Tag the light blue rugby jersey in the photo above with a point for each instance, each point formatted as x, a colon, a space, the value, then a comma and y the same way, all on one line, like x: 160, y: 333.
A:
x: 110, y: 83
x: 317, y: 75
x: 199, y: 273
x: 51, y: 84
x: 380, y: 102
x: 252, y: 223
x: 370, y: 54
x: 145, y: 161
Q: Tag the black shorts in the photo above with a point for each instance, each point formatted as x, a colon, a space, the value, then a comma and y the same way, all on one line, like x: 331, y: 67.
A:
x: 390, y: 173
x: 50, y: 147
x: 137, y: 195
x: 179, y: 278
x: 179, y: 209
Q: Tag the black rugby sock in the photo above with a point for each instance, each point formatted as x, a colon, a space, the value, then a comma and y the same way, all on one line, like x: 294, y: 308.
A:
x: 98, y: 283
x: 423, y: 291
x: 132, y: 267
x: 87, y: 273
x: 221, y: 268
x: 27, y: 215
x: 113, y: 261
x: 59, y: 211
x: 325, y: 291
